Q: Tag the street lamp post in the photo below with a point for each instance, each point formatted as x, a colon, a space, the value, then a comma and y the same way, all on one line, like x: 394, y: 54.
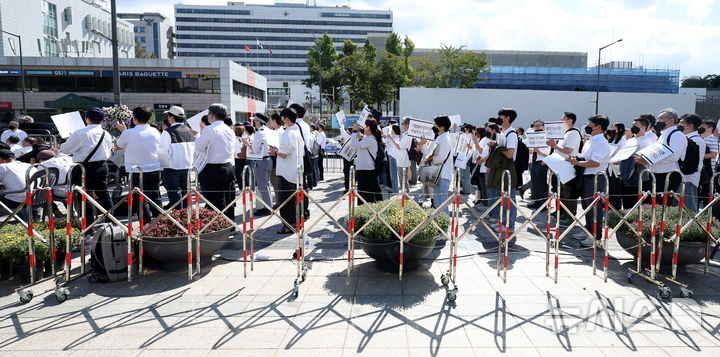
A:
x: 116, y: 69
x: 597, y: 85
x: 22, y: 71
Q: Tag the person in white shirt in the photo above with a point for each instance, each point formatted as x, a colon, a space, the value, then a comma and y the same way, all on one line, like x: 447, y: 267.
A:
x: 481, y: 137
x: 175, y: 151
x: 690, y: 124
x: 62, y: 163
x: 217, y: 177
x: 711, y: 142
x: 442, y: 155
x: 260, y: 149
x: 289, y: 167
x: 13, y: 130
x: 596, y: 153
x: 629, y: 169
x: 322, y: 140
x: 366, y: 145
x: 26, y: 146
x: 671, y: 136
x: 398, y: 147
x: 652, y: 120
x: 538, y: 171
x: 14, y: 143
x: 12, y: 178
x: 465, y: 173
x: 91, y: 146
x: 617, y: 142
x: 141, y: 153
x: 505, y: 118
x: 306, y: 135
x: 276, y: 123
x: 569, y: 146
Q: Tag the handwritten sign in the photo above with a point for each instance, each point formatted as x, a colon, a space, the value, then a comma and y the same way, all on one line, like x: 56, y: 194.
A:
x: 535, y: 140
x: 554, y: 130
x: 348, y: 152
x: 68, y: 123
x: 625, y: 152
x: 420, y: 128
x: 655, y: 152
x: 563, y: 169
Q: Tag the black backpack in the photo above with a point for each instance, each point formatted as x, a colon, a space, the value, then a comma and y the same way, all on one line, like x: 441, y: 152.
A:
x: 379, y: 159
x: 522, y: 158
x: 307, y: 155
x: 688, y: 165
x: 581, y: 139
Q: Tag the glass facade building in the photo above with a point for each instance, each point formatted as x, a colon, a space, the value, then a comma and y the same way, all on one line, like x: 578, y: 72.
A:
x: 633, y: 80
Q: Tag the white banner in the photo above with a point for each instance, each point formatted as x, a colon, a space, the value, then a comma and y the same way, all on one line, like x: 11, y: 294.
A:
x: 655, y: 152
x: 625, y: 152
x: 554, y: 130
x: 68, y: 123
x: 420, y: 128
x: 535, y: 140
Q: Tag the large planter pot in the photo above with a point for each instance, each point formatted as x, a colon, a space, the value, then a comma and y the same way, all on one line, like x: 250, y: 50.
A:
x: 689, y: 252
x: 387, y: 253
x: 174, y: 249
x: 5, y: 269
x: 23, y: 272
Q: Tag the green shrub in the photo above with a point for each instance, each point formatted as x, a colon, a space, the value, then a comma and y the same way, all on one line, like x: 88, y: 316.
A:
x: 694, y: 233
x: 14, y: 241
x: 414, y: 216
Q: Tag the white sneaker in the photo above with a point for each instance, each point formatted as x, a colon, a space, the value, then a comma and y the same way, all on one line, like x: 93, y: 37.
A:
x: 580, y: 235
x: 588, y: 242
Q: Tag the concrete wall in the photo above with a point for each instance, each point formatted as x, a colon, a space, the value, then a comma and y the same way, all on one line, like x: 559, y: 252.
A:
x: 477, y: 105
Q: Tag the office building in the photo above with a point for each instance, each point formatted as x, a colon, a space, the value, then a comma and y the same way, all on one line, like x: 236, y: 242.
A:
x: 62, y: 28
x: 61, y: 85
x: 154, y: 34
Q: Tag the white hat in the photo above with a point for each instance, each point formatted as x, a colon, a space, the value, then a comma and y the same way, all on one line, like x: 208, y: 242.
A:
x: 176, y: 111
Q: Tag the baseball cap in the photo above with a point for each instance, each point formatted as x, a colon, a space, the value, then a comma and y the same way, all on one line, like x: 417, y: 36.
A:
x: 261, y: 117
x: 176, y: 111
x: 95, y: 113
x: 45, y: 155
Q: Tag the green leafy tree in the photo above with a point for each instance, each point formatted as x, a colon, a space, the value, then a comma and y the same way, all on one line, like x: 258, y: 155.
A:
x: 451, y: 67
x: 397, y: 50
x: 325, y: 66
x: 139, y: 51
x: 357, y: 71
x: 708, y: 81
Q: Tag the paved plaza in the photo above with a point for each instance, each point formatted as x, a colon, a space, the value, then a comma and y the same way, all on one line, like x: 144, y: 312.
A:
x: 372, y: 312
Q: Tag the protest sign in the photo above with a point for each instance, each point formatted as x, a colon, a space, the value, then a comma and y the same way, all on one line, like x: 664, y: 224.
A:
x: 420, y: 128
x: 194, y: 121
x: 535, y: 140
x: 655, y: 152
x: 554, y: 130
x: 625, y: 152
x: 68, y: 123
x: 348, y: 152
x: 341, y: 118
x: 363, y: 116
x: 563, y: 169
x: 455, y: 119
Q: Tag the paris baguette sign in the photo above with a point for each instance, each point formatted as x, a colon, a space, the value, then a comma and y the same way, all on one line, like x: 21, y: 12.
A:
x: 145, y: 74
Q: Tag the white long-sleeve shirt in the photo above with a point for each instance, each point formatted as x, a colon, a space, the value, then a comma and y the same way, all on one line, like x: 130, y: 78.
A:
x: 82, y: 142
x: 443, y: 154
x: 219, y: 141
x: 366, y: 152
x: 678, y: 144
x: 596, y: 149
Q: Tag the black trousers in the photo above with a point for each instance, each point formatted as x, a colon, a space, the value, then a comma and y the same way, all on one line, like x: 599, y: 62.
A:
x: 674, y: 185
x: 321, y: 168
x: 346, y: 173
x: 569, y: 196
x: 588, y: 191
x: 285, y: 190
x: 616, y: 191
x: 151, y: 188
x: 368, y: 188
x: 96, y: 185
x: 216, y: 182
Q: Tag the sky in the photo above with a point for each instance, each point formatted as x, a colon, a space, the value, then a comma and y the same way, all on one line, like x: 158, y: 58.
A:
x: 673, y: 34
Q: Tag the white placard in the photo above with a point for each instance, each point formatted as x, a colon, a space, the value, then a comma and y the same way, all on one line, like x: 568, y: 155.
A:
x: 554, y: 130
x: 363, y: 116
x: 272, y: 138
x: 461, y: 160
x: 455, y: 119
x: 461, y: 146
x: 194, y: 121
x: 535, y: 140
x: 68, y: 123
x: 347, y: 151
x: 341, y: 118
x: 626, y: 152
x: 655, y: 152
x: 418, y: 128
x: 560, y: 167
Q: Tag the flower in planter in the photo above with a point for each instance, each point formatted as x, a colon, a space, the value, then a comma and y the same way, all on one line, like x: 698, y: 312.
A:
x: 14, y: 241
x: 694, y: 233
x: 163, y: 227
x: 414, y: 216
x: 114, y: 116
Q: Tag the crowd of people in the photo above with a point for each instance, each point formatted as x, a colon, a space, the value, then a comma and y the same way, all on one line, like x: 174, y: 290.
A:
x: 284, y: 151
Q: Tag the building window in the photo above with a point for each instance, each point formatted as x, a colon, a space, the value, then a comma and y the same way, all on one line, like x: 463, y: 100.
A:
x: 50, y: 29
x: 141, y: 39
x: 139, y: 29
x: 212, y: 11
x: 156, y: 40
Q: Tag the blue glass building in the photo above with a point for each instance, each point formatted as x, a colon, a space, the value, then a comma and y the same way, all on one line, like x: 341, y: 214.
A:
x: 633, y: 80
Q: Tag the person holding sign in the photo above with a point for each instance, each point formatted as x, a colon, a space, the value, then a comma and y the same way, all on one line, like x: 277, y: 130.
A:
x: 443, y: 150
x: 538, y: 170
x: 671, y: 136
x: 367, y: 145
x: 596, y: 156
x: 91, y: 146
x: 570, y: 145
x: 617, y: 142
x: 691, y: 123
x: 629, y: 168
x: 505, y: 118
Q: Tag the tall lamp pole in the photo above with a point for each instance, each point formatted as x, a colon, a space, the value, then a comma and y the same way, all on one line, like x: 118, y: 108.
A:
x: 116, y: 70
x: 22, y: 70
x: 597, y: 85
x: 320, y: 73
